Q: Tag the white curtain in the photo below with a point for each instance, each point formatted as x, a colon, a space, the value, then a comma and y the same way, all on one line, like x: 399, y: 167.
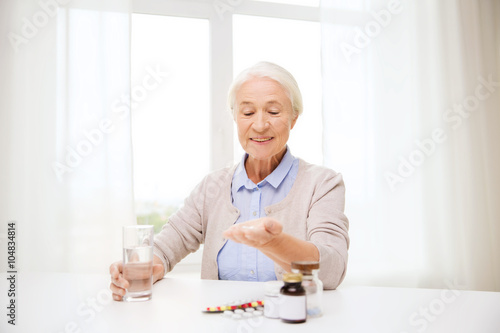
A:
x: 66, y: 169
x: 411, y: 118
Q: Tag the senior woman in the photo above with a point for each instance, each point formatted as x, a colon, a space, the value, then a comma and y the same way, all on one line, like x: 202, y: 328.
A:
x: 272, y: 208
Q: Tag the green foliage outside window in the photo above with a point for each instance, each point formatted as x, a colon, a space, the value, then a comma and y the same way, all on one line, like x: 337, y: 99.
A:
x: 157, y: 217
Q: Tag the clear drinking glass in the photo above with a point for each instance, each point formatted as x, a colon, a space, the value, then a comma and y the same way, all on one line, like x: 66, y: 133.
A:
x: 138, y: 262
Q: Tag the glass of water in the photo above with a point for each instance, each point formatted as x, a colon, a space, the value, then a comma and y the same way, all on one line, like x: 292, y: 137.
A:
x: 138, y: 262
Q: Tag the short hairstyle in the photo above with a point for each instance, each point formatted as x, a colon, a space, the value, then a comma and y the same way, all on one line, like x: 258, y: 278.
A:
x: 272, y: 71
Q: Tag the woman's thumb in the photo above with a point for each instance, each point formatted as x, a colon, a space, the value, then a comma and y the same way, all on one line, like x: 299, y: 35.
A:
x: 273, y: 226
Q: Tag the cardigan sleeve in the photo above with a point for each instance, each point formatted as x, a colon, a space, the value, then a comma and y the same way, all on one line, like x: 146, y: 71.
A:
x: 327, y: 228
x: 183, y: 233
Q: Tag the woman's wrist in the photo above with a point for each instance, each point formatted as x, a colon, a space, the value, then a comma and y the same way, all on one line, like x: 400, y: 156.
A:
x: 158, y: 273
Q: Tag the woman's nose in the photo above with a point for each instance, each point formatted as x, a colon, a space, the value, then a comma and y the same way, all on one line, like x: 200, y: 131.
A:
x: 261, y: 122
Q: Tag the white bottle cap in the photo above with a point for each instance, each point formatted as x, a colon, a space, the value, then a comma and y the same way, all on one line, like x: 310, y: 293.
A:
x: 272, y: 288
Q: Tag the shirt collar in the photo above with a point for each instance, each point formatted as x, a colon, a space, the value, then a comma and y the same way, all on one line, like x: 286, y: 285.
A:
x: 240, y: 177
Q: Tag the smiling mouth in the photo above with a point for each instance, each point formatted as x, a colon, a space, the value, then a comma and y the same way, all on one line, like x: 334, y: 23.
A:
x: 261, y: 139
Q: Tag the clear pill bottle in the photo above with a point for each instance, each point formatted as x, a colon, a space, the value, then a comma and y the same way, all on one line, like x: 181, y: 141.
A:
x: 312, y: 284
x: 271, y: 299
x: 292, y: 307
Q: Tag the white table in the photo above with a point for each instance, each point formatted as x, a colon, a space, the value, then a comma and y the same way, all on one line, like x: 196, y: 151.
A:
x: 56, y: 302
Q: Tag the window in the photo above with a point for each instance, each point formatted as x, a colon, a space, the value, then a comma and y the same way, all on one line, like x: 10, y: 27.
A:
x: 182, y: 130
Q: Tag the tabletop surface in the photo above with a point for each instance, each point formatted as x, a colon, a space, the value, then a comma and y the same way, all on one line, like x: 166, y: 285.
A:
x: 59, y: 302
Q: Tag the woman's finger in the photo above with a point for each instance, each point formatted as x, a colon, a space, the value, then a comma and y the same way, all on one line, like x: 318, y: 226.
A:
x: 117, y: 292
x: 116, y: 269
x: 272, y: 226
x: 118, y: 283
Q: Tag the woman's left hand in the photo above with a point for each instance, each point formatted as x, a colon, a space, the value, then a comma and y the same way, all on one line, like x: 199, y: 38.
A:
x: 257, y: 233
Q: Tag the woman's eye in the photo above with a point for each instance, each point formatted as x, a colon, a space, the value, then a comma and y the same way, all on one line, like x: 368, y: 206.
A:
x: 274, y: 112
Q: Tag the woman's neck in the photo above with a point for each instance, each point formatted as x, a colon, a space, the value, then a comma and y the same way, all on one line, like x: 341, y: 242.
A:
x: 258, y: 170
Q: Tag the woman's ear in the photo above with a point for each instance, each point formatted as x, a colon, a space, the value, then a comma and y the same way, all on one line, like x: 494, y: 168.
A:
x: 294, y: 120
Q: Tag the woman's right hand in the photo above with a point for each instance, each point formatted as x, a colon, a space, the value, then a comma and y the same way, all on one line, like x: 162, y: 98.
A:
x: 119, y: 284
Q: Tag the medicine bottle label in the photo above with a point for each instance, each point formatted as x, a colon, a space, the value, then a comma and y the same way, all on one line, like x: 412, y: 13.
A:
x: 292, y: 307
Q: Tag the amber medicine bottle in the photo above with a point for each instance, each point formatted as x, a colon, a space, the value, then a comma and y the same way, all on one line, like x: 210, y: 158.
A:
x: 292, y: 307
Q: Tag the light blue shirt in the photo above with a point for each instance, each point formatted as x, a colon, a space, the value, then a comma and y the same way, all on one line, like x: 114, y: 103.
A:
x: 241, y: 262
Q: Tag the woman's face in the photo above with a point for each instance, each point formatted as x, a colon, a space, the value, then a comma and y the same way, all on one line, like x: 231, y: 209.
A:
x: 264, y: 117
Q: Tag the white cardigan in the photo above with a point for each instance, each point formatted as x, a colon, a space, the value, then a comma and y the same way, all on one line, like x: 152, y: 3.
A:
x: 313, y: 211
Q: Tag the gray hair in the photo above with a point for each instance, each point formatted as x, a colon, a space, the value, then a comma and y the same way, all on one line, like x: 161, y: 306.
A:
x: 272, y: 71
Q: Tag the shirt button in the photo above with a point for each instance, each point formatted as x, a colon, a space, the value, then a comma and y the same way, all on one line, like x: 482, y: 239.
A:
x: 252, y: 272
x: 254, y: 213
